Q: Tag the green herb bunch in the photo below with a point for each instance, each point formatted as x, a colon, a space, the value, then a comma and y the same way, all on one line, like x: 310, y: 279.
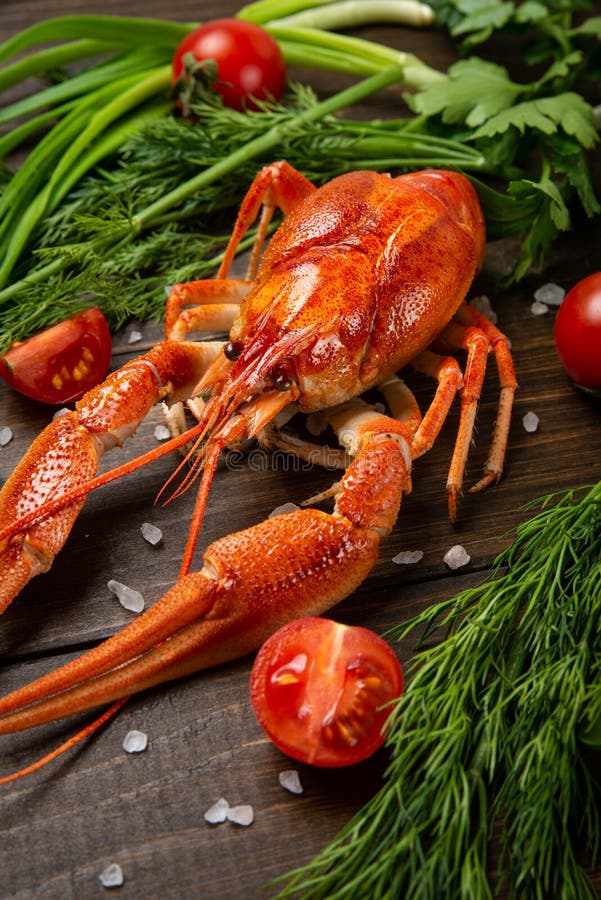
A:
x: 487, y: 741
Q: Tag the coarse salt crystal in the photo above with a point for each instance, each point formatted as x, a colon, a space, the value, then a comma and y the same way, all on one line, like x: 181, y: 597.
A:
x: 217, y: 813
x: 60, y: 412
x: 112, y: 876
x: 134, y: 337
x: 135, y: 741
x: 283, y: 509
x: 483, y: 305
x: 551, y: 294
x: 6, y: 435
x: 241, y: 815
x: 407, y: 557
x: 128, y: 597
x: 530, y: 422
x: 161, y: 433
x: 290, y: 780
x: 456, y: 557
x: 539, y: 309
x: 151, y: 533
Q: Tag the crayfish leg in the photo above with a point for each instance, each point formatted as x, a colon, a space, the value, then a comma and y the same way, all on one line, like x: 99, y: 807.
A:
x: 474, y: 333
x: 277, y: 185
x: 447, y: 372
x: 207, y: 305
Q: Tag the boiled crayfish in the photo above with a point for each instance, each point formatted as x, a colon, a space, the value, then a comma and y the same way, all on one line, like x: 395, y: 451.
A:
x: 364, y: 276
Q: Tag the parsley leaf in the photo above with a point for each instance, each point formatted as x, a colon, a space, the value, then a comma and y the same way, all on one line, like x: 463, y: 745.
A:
x: 552, y: 217
x: 481, y: 18
x: 568, y: 112
x: 474, y: 91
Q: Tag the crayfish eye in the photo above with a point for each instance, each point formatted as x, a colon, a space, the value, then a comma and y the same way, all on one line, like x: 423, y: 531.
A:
x: 233, y: 350
x: 282, y: 377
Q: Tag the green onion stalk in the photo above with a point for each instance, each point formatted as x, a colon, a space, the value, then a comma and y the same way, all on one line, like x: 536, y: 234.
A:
x: 493, y: 745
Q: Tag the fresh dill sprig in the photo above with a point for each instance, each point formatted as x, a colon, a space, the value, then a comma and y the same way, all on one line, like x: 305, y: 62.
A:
x: 485, y: 743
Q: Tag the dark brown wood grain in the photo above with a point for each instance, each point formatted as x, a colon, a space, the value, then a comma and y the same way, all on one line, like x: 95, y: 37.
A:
x: 60, y: 827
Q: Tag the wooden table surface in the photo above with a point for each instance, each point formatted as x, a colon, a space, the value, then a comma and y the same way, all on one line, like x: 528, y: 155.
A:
x: 60, y: 827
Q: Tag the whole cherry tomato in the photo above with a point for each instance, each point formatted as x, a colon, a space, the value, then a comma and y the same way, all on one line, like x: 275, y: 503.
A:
x: 578, y: 332
x: 60, y: 364
x: 249, y: 60
x: 318, y: 689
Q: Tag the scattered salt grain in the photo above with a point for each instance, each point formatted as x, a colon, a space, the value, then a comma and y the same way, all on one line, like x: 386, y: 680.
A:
x: 135, y: 741
x: 127, y: 597
x: 290, y: 780
x: 134, y: 337
x: 112, y: 876
x: 241, y: 815
x: 151, y: 533
x: 551, y: 294
x: 456, y: 557
x: 6, y: 436
x: 283, y: 509
x: 530, y: 422
x: 161, y: 433
x: 408, y: 557
x: 483, y: 305
x: 539, y: 309
x: 217, y: 813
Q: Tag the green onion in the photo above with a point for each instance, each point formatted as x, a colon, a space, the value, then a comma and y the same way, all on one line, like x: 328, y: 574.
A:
x: 132, y: 31
x: 72, y: 153
x: 53, y: 58
x: 133, y: 63
x: 354, y: 13
x: 267, y: 10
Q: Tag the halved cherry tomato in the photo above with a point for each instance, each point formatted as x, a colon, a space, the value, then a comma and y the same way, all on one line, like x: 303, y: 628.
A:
x: 578, y: 333
x: 249, y: 60
x: 318, y: 689
x: 60, y: 364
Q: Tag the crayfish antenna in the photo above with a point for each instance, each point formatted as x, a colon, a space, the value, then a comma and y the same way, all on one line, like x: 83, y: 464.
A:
x: 66, y: 745
x: 250, y: 419
x: 210, y: 464
x: 195, y: 457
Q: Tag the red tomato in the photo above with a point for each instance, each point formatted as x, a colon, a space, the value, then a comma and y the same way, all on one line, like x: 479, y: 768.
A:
x: 578, y: 332
x: 318, y: 687
x: 249, y: 60
x: 60, y: 364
